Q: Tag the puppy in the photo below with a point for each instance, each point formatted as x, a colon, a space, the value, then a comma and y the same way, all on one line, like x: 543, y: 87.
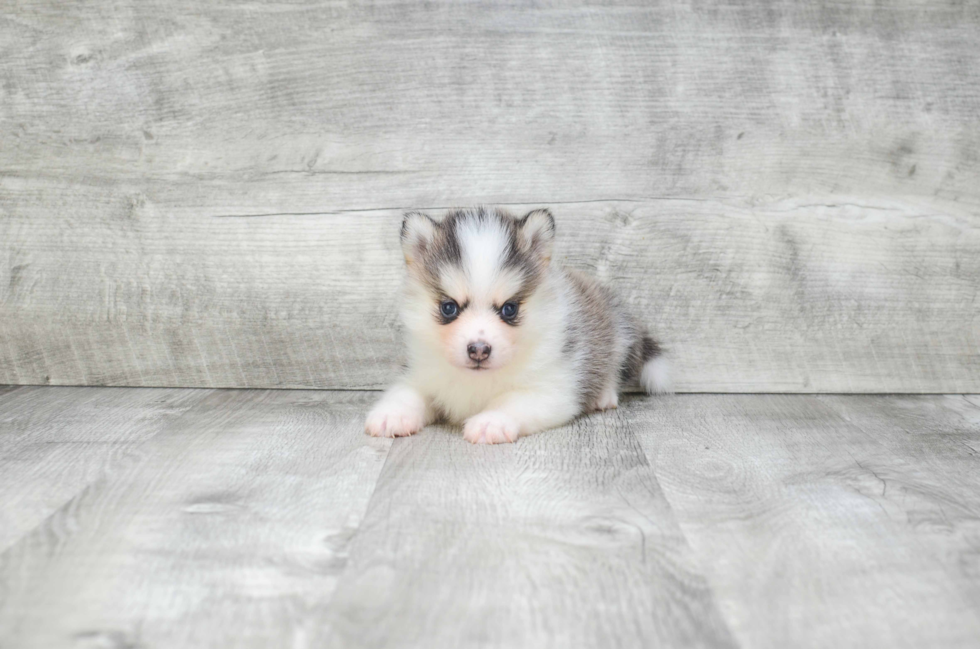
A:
x: 501, y: 340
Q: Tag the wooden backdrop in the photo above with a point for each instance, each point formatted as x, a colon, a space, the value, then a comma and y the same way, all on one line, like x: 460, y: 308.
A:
x: 208, y: 193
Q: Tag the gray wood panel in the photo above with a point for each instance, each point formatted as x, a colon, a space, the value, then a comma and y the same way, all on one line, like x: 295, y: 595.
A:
x: 54, y: 442
x: 266, y: 519
x: 228, y: 528
x: 827, y: 521
x: 785, y: 297
x: 820, y: 161
x: 933, y: 446
x: 561, y: 540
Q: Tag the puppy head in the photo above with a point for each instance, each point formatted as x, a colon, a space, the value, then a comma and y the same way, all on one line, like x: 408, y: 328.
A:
x: 471, y: 278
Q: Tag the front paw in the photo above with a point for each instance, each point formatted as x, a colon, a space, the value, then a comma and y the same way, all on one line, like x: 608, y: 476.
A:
x: 607, y: 400
x: 394, y: 420
x: 491, y: 427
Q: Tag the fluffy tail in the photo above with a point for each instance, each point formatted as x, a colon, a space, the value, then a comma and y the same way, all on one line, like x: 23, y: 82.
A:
x: 655, y: 374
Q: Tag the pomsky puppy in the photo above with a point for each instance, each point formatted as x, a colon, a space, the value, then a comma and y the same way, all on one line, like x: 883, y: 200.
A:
x: 501, y: 340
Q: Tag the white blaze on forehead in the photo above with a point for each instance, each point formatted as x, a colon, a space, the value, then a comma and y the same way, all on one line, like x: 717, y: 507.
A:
x: 484, y: 245
x: 455, y: 283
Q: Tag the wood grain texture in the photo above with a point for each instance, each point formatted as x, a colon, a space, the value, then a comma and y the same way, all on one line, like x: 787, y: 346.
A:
x: 789, y: 297
x: 228, y: 528
x: 268, y: 519
x: 56, y: 441
x: 934, y: 469
x: 787, y: 193
x: 827, y: 521
x: 562, y: 540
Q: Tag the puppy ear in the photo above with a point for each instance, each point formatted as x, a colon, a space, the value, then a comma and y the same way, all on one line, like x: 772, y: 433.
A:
x: 418, y: 233
x: 537, y: 233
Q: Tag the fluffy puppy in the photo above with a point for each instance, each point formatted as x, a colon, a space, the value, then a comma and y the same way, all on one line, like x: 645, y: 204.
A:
x: 501, y: 340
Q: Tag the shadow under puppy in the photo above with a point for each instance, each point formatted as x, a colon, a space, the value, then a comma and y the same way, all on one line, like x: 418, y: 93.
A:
x: 501, y: 340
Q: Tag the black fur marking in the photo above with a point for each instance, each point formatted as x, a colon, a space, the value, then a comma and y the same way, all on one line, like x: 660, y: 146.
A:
x: 445, y: 249
x: 643, y: 349
x: 651, y: 348
x: 449, y: 252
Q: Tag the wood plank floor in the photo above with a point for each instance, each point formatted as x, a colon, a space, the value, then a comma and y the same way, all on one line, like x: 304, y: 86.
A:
x: 213, y: 518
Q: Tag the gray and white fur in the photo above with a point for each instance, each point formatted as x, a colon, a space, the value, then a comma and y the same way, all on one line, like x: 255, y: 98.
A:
x: 500, y: 339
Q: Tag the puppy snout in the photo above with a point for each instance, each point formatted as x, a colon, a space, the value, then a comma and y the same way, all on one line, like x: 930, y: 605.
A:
x: 478, y: 351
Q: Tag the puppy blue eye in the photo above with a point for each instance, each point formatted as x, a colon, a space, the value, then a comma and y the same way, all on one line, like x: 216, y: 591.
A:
x: 508, y: 311
x: 449, y: 309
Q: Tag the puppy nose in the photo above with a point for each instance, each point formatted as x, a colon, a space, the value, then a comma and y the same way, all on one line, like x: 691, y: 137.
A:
x: 478, y: 351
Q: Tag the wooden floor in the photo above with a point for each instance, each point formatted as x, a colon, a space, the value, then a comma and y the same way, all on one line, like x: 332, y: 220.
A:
x: 212, y: 518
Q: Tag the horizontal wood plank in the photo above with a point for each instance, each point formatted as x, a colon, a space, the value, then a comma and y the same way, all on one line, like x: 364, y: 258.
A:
x: 827, y: 521
x: 787, y: 194
x: 54, y: 442
x: 793, y: 296
x: 270, y: 107
x: 933, y: 446
x: 228, y: 528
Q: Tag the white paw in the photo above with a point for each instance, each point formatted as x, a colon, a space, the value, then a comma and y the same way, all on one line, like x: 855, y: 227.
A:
x: 394, y: 420
x: 607, y: 400
x: 491, y: 427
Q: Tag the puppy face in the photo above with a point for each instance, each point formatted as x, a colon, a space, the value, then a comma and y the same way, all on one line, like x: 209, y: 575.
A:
x: 471, y: 277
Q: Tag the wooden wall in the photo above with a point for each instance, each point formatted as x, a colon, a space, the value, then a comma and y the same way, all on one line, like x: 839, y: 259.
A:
x: 208, y: 194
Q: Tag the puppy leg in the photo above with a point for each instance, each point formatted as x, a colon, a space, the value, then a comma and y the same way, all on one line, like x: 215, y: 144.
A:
x: 519, y: 413
x: 402, y: 411
x: 608, y: 398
